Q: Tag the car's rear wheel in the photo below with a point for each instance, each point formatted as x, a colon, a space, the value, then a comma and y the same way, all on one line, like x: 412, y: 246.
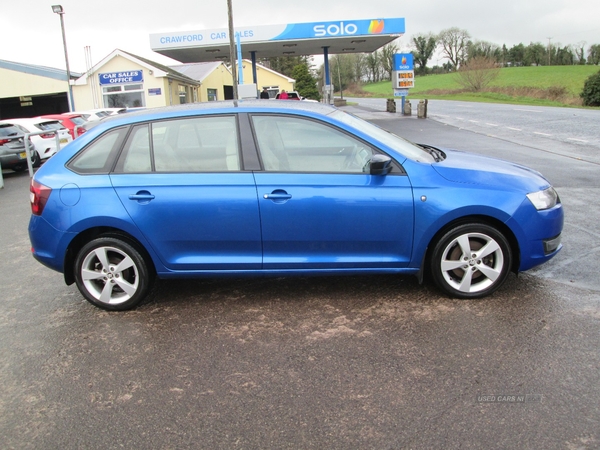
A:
x: 471, y: 261
x: 112, y: 274
x: 35, y: 159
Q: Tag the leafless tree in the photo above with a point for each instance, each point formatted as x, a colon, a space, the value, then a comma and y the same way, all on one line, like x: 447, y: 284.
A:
x: 453, y: 42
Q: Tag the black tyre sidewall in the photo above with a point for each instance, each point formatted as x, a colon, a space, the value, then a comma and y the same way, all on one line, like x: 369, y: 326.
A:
x: 145, y: 278
x: 442, y: 243
x: 35, y: 159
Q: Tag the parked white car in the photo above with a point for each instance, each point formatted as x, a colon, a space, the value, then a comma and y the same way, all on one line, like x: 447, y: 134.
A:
x: 45, y: 144
x: 100, y: 113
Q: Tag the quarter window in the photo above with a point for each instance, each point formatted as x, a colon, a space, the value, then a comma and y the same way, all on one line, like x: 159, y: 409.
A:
x: 99, y: 156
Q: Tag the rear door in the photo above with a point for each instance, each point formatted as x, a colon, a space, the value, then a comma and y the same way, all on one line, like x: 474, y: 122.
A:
x: 182, y: 184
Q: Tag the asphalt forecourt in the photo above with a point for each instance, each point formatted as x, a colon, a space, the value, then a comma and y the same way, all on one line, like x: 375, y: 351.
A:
x: 342, y: 362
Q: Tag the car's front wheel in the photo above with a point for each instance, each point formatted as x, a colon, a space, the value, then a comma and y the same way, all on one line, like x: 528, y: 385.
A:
x: 471, y: 261
x: 112, y: 274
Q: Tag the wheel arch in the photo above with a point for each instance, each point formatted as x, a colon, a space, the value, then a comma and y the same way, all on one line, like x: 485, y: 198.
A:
x: 487, y: 220
x: 93, y: 233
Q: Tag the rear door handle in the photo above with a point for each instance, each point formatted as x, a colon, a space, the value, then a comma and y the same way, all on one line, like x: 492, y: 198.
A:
x: 142, y: 197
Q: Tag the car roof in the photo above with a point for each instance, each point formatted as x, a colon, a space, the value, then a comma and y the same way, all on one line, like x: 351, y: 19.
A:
x: 29, y: 120
x: 60, y: 116
x: 224, y: 107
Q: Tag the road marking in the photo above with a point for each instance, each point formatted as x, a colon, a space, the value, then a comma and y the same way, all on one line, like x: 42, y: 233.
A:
x: 474, y: 121
x: 541, y: 134
x: 528, y: 110
x: 514, y: 129
x: 578, y: 140
x: 492, y: 124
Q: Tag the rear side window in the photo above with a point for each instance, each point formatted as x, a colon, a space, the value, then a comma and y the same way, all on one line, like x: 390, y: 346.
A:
x: 98, y: 157
x: 197, y: 144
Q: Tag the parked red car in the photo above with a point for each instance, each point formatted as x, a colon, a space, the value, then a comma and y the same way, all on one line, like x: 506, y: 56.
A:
x: 71, y: 121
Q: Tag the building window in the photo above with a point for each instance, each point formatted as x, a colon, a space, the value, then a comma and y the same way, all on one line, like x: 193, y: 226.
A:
x: 182, y: 94
x: 124, y: 96
x: 212, y: 95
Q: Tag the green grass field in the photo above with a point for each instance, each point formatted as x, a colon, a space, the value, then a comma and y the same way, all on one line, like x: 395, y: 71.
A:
x: 544, y: 85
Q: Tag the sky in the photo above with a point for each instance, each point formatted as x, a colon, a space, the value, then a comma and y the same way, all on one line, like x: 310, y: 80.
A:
x: 30, y: 32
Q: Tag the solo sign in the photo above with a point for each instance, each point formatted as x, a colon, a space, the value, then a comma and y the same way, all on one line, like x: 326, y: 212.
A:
x: 131, y: 76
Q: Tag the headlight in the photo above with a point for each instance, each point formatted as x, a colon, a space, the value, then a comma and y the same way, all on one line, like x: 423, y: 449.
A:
x: 546, y: 199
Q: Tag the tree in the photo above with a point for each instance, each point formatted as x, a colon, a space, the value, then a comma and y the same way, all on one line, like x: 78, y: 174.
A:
x: 285, y: 64
x: 580, y: 52
x: 373, y: 67
x: 535, y: 54
x: 594, y: 54
x: 306, y: 85
x: 387, y: 59
x: 341, y: 69
x: 360, y: 69
x: 591, y: 91
x: 477, y: 73
x: 517, y: 55
x: 483, y: 48
x: 424, y: 45
x: 454, y: 45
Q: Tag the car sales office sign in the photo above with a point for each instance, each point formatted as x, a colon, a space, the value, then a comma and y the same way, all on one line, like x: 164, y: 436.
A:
x: 125, y: 77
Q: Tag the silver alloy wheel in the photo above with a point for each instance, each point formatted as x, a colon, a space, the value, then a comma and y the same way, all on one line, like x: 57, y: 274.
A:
x: 472, y: 262
x: 110, y: 275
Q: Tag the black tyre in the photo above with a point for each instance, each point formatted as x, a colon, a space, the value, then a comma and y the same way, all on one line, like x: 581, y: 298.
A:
x: 35, y: 159
x: 112, y: 274
x: 471, y: 261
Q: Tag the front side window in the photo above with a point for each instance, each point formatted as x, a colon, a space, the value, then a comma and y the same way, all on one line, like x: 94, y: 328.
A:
x: 295, y: 144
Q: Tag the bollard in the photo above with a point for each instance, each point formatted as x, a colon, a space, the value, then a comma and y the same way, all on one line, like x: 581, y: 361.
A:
x: 391, y: 105
x: 421, y: 110
x: 407, y: 108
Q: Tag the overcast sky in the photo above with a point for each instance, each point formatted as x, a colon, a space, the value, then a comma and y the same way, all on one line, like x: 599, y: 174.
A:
x: 30, y: 32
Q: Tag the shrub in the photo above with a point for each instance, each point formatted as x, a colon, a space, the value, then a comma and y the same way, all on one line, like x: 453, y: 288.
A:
x: 477, y: 73
x: 591, y: 91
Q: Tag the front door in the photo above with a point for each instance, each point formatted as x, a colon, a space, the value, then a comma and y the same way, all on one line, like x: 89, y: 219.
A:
x: 318, y: 207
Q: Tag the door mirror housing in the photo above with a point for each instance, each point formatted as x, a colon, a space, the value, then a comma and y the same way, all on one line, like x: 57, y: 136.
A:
x: 380, y: 165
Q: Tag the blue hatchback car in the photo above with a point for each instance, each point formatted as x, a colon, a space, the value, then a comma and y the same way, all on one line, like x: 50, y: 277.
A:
x: 280, y: 188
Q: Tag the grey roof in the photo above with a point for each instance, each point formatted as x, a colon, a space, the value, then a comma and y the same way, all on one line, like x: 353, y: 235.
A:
x: 42, y: 71
x: 197, y: 71
x: 172, y: 73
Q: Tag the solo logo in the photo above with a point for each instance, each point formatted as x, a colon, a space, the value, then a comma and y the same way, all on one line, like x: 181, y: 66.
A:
x: 335, y: 29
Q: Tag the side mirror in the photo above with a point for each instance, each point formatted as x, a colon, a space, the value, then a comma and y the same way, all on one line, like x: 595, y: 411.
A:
x: 380, y: 165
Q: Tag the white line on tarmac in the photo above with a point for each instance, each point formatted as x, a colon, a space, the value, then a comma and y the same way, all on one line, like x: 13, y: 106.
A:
x: 528, y: 110
x: 514, y: 129
x: 578, y: 140
x: 492, y: 124
x: 541, y: 134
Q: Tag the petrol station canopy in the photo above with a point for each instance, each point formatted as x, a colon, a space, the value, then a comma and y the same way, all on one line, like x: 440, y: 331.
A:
x: 295, y: 39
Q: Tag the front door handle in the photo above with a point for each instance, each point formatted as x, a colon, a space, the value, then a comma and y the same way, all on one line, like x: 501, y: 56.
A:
x: 278, y: 196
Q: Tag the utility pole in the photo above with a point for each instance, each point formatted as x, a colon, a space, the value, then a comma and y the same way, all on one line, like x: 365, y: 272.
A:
x: 549, y: 50
x: 232, y: 50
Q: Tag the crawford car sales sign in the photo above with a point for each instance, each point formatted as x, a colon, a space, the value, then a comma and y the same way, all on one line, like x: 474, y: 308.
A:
x: 131, y: 76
